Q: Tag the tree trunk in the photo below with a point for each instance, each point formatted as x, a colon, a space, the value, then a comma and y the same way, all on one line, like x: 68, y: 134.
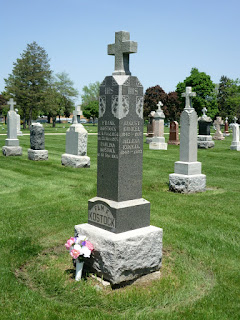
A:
x: 48, y: 118
x: 53, y: 122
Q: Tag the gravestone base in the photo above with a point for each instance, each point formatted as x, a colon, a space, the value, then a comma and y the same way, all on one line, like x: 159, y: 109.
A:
x: 205, y: 141
x: 125, y: 256
x: 226, y: 134
x: 12, y: 142
x: 218, y: 137
x: 19, y: 133
x: 235, y: 146
x: 158, y: 143
x: 37, y: 155
x: 71, y: 160
x: 182, y: 183
x: 12, y: 151
x: 174, y: 142
x: 120, y: 216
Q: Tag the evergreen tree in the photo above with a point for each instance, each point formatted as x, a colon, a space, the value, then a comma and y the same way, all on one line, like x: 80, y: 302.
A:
x: 29, y: 81
x: 202, y: 84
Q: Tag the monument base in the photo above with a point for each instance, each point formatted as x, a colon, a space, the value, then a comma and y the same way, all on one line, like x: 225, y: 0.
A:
x: 158, y: 143
x: 187, y: 183
x: 12, y: 142
x: 12, y: 151
x: 235, y: 146
x: 37, y: 155
x: 219, y: 137
x: 174, y: 142
x: 226, y: 134
x: 205, y: 141
x: 19, y: 133
x: 123, y: 257
x: 119, y: 216
x: 71, y: 160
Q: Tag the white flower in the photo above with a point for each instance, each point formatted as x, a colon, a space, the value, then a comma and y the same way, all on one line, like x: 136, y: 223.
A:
x: 78, y: 247
x: 85, y: 252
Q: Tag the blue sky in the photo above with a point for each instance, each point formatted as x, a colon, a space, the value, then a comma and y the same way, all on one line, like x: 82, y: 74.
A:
x: 173, y: 36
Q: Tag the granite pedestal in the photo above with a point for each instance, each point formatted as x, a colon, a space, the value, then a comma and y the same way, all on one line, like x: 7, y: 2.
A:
x: 12, y: 151
x: 235, y: 145
x: 158, y: 140
x: 37, y: 155
x: 205, y: 142
x: 158, y: 143
x: 71, y: 160
x: 123, y: 257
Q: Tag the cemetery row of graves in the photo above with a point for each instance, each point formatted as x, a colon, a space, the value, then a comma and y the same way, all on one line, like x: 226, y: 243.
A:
x: 126, y: 208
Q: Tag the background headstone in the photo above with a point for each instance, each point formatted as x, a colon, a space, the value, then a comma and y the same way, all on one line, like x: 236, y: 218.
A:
x: 158, y: 140
x: 235, y: 145
x: 187, y: 177
x: 226, y: 133
x: 218, y: 134
x: 19, y: 132
x: 12, y: 147
x: 37, y: 143
x: 150, y: 127
x: 204, y: 139
x: 77, y: 113
x: 76, y: 146
x: 174, y: 133
x: 119, y: 218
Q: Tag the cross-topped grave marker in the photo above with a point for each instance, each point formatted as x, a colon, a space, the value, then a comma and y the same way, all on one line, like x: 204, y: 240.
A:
x: 204, y: 111
x: 204, y: 139
x: 218, y: 134
x: 235, y: 145
x: 235, y: 119
x: 188, y: 94
x: 12, y: 103
x: 121, y: 50
x: 77, y: 113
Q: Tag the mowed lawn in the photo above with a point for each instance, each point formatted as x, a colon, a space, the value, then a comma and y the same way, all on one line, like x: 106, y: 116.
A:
x: 42, y: 201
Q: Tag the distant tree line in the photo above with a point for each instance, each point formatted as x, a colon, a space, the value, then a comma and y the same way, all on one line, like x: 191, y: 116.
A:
x: 221, y: 99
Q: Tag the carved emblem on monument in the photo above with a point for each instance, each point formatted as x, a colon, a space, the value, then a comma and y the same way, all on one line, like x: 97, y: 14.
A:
x: 120, y: 108
x: 139, y: 106
x: 102, y: 106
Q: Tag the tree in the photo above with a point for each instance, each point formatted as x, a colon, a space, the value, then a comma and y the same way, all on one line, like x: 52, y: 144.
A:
x: 64, y: 86
x: 202, y: 84
x: 90, y: 93
x: 151, y: 98
x: 91, y: 110
x: 228, y: 97
x: 50, y: 104
x: 29, y: 80
x: 173, y: 107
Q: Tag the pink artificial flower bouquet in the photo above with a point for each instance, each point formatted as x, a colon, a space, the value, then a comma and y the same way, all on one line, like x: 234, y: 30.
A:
x: 79, y: 247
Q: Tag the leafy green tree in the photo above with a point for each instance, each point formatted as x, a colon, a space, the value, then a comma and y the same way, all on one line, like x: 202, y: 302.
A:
x: 50, y: 104
x: 228, y: 97
x: 64, y: 86
x: 29, y: 81
x: 3, y: 107
x: 151, y: 98
x: 202, y: 84
x: 91, y: 110
x: 90, y: 93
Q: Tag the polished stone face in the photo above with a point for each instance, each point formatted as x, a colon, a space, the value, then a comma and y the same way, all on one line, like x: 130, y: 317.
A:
x: 120, y: 138
x: 204, y: 128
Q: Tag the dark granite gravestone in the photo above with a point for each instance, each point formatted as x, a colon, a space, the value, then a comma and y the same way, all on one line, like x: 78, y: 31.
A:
x: 150, y: 127
x: 132, y: 247
x: 119, y: 206
x: 173, y: 133
x: 37, y: 140
x: 204, y: 139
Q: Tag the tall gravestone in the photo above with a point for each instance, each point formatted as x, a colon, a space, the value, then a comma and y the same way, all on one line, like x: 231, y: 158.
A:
x: 125, y: 245
x: 37, y: 143
x: 76, y: 146
x: 158, y: 140
x: 187, y: 177
x: 174, y: 134
x: 19, y: 132
x: 226, y: 133
x: 235, y: 145
x: 204, y: 137
x: 12, y: 147
x: 218, y: 134
x: 150, y: 127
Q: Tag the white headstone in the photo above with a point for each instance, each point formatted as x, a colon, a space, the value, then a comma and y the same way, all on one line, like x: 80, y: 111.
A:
x: 19, y: 132
x: 158, y: 140
x: 235, y: 145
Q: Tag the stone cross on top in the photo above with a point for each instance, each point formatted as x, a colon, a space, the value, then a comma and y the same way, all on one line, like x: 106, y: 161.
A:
x: 188, y: 94
x: 121, y: 50
x: 204, y: 111
x: 11, y: 103
x: 235, y: 119
x: 160, y: 104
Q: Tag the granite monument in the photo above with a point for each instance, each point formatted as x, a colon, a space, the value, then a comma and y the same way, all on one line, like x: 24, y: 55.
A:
x: 218, y: 134
x: 158, y: 140
x: 187, y: 177
x: 235, y: 145
x: 174, y: 133
x: 125, y: 245
x: 19, y: 132
x: 149, y: 135
x: 12, y: 147
x: 204, y: 139
x: 226, y: 133
x: 37, y: 143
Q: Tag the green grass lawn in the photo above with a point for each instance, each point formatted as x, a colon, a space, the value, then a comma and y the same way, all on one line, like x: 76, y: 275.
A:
x: 42, y: 201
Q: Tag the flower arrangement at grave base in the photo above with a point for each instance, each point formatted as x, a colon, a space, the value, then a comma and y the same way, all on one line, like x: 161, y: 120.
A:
x: 80, y: 249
